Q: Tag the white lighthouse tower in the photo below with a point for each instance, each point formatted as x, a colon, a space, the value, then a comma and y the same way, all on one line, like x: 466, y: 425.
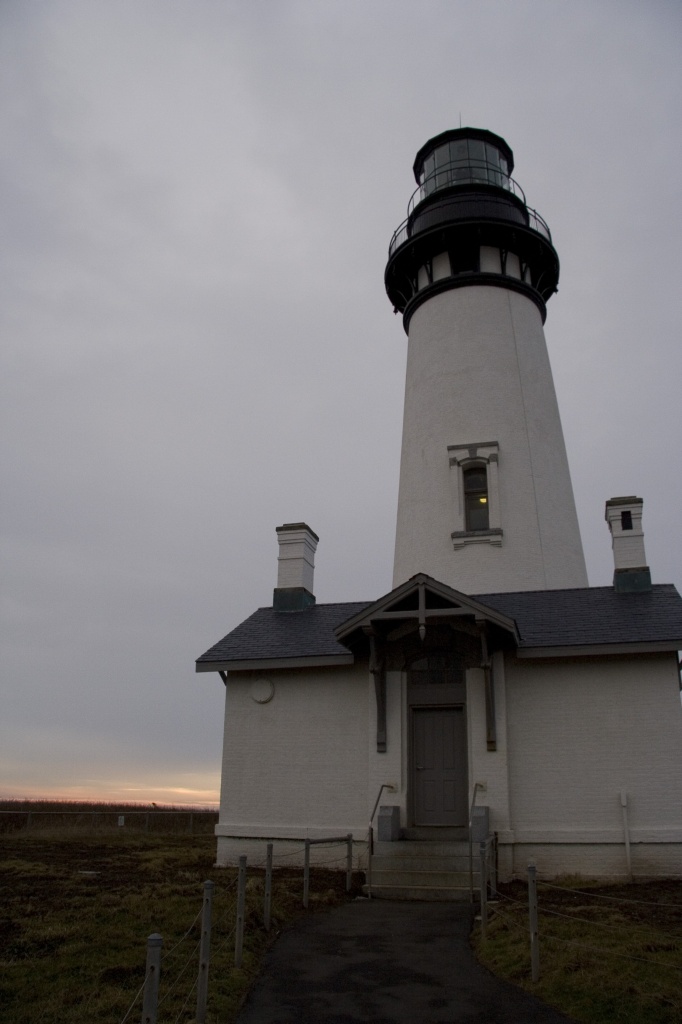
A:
x: 485, y: 502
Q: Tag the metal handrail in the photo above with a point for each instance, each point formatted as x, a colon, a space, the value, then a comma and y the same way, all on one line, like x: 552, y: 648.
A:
x: 370, y: 834
x: 536, y: 223
x: 477, y: 786
x: 454, y: 174
x: 348, y: 840
x: 402, y: 232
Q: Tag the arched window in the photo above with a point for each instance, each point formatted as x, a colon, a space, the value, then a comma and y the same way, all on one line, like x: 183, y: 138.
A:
x: 476, y: 506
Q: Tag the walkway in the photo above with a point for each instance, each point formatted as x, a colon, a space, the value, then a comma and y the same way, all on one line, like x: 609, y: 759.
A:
x: 385, y: 963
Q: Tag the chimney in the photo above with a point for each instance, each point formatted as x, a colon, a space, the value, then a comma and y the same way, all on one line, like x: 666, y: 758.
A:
x: 295, y: 568
x: 624, y: 516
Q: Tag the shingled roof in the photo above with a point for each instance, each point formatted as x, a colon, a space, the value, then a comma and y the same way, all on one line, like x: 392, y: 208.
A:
x: 269, y: 635
x: 594, y: 619
x: 593, y: 616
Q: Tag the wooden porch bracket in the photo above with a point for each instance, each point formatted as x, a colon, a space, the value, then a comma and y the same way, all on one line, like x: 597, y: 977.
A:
x: 489, y: 682
x: 377, y: 666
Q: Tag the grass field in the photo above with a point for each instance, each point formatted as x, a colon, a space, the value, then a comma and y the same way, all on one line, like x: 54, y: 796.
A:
x: 607, y: 953
x: 78, y: 906
x: 78, y: 901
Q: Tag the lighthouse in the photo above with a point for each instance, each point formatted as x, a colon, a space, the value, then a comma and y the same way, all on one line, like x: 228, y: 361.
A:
x: 475, y: 700
x: 485, y: 500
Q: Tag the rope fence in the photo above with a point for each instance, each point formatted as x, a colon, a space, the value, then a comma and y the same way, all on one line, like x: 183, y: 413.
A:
x: 539, y: 917
x: 231, y: 920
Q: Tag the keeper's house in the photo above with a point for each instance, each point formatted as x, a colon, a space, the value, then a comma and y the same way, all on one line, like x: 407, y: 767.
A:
x: 558, y: 705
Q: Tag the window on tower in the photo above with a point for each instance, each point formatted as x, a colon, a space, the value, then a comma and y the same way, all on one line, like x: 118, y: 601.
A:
x: 476, y: 506
x: 476, y: 492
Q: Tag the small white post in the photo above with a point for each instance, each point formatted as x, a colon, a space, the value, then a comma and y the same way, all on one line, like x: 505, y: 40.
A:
x: 483, y: 871
x: 626, y: 831
x: 349, y: 861
x: 267, y: 904
x: 533, y: 920
x: 150, y: 998
x: 241, y: 899
x: 492, y: 866
x: 306, y: 874
x: 204, y: 954
x: 370, y: 851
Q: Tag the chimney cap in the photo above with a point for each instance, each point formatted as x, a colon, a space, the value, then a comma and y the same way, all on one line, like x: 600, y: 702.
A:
x: 627, y: 499
x: 290, y: 527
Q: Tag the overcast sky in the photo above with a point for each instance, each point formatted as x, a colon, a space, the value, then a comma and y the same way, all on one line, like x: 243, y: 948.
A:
x: 197, y: 199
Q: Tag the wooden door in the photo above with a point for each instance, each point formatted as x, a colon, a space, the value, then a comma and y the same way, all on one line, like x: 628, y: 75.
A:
x: 439, y: 766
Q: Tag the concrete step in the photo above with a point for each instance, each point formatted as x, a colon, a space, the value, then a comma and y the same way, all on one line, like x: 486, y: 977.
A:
x: 431, y: 867
x: 430, y: 879
x: 423, y: 848
x: 421, y: 862
x: 418, y: 892
x: 437, y: 833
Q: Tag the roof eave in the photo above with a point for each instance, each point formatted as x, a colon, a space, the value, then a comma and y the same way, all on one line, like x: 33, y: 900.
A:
x: 600, y: 650
x: 249, y: 664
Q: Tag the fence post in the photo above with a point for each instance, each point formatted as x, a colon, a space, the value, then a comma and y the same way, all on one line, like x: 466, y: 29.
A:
x: 306, y: 874
x: 533, y: 919
x: 267, y: 902
x: 241, y: 899
x: 483, y: 870
x: 349, y: 862
x: 204, y: 953
x: 150, y: 999
x: 370, y: 851
x: 190, y: 827
x: 28, y: 821
x: 626, y: 832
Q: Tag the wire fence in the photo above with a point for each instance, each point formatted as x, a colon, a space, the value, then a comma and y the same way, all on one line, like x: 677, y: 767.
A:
x: 184, y: 968
x: 192, y: 821
x: 585, y: 928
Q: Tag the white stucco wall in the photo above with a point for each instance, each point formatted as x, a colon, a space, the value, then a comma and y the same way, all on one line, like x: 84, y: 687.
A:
x: 478, y: 371
x: 571, y: 734
x: 297, y: 765
x: 579, y: 732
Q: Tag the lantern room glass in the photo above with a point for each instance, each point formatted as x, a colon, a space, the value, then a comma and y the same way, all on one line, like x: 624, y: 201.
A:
x: 464, y: 162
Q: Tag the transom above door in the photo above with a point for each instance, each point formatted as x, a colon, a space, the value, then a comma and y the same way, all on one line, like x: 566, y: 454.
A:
x: 436, y: 677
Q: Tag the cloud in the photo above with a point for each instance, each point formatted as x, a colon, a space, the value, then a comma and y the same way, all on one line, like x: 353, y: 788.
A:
x: 197, y: 203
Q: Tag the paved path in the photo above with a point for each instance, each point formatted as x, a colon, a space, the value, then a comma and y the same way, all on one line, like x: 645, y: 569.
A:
x: 385, y: 962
